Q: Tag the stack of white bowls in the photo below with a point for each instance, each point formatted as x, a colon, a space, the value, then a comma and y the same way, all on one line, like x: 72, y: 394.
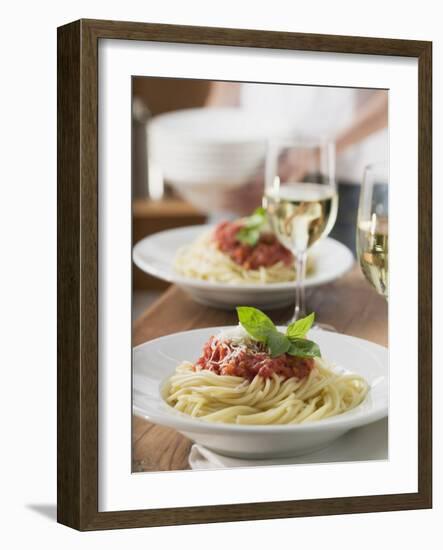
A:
x: 202, y: 152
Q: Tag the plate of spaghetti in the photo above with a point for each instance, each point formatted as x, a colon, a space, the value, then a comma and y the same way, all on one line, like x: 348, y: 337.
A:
x: 259, y: 391
x: 236, y: 262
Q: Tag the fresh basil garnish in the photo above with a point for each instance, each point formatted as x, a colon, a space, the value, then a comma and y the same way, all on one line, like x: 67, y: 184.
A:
x: 258, y: 325
x: 249, y: 233
x: 248, y: 236
x: 278, y: 343
x: 299, y: 328
x: 301, y: 347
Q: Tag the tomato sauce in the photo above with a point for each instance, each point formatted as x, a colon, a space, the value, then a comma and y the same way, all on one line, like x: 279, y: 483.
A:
x: 226, y: 358
x: 267, y: 252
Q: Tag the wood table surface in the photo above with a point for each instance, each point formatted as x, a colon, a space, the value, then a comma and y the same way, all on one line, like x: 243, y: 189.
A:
x: 349, y: 304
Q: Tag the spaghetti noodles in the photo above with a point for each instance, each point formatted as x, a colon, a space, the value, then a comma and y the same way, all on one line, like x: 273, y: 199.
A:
x: 203, y: 260
x: 237, y: 381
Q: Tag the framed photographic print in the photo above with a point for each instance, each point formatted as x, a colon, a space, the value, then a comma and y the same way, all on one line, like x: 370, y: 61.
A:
x: 233, y: 343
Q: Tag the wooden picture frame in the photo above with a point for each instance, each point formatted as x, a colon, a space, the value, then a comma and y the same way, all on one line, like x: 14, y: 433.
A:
x: 77, y: 456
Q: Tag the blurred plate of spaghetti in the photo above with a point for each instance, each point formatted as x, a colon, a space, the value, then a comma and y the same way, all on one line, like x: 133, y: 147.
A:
x: 161, y: 255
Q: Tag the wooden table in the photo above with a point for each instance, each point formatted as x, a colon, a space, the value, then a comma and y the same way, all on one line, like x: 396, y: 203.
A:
x: 349, y: 304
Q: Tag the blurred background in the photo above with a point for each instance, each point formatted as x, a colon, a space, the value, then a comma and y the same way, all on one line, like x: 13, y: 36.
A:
x: 199, y: 147
x: 154, y: 96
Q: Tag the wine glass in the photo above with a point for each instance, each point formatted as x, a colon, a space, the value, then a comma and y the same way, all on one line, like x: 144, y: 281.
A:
x: 301, y: 200
x: 372, y: 227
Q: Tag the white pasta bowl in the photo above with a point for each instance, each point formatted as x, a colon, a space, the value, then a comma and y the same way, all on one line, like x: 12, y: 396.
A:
x: 155, y: 361
x: 156, y: 254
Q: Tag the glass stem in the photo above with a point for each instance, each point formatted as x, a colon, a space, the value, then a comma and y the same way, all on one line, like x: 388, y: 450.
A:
x: 300, y: 269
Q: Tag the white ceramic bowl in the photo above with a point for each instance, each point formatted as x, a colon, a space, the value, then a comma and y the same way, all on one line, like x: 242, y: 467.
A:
x: 155, y: 361
x: 155, y: 255
x: 219, y: 146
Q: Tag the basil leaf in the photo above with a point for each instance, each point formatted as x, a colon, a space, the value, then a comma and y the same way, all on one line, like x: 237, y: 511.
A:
x: 256, y: 218
x: 249, y: 233
x: 256, y: 323
x: 300, y: 347
x: 248, y: 236
x: 299, y: 328
x: 278, y: 343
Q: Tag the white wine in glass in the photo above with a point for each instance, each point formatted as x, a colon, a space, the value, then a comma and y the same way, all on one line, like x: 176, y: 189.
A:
x: 301, y: 200
x: 300, y: 214
x: 372, y: 227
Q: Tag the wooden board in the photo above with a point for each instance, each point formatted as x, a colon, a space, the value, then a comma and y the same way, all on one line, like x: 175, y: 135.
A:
x: 349, y: 304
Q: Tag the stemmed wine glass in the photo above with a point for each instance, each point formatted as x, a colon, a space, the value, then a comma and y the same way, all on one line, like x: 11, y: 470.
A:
x: 301, y: 200
x: 372, y: 227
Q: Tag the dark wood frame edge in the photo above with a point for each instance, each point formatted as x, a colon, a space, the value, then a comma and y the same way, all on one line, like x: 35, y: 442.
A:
x: 77, y: 316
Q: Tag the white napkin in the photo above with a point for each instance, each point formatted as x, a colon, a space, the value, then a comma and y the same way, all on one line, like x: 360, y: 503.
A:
x: 366, y: 443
